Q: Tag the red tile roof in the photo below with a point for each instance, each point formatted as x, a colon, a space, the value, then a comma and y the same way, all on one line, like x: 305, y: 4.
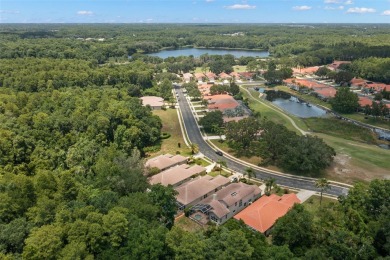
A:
x: 223, y: 75
x: 328, y: 92
x: 308, y: 70
x: 222, y: 102
x: 305, y: 83
x: 358, y: 82
x: 364, y: 101
x: 336, y: 64
x: 264, y: 212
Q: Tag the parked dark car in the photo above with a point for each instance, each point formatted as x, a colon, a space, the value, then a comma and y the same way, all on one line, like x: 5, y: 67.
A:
x: 219, y: 153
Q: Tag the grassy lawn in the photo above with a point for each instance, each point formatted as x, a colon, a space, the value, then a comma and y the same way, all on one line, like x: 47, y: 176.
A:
x: 171, y: 125
x: 363, y: 155
x: 341, y: 129
x: 239, y: 68
x: 313, y: 204
x: 188, y: 225
x: 370, y: 120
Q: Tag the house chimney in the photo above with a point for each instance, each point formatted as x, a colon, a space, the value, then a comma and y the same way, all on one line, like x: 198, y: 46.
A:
x: 214, y: 196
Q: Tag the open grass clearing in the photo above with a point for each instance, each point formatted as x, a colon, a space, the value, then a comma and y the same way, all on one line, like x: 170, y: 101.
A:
x: 239, y: 68
x: 357, y: 161
x: 171, y: 125
x: 369, y: 120
x: 313, y: 204
x: 340, y: 128
x: 188, y: 225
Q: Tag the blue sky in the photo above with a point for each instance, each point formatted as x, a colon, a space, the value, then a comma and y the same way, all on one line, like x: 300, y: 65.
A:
x: 195, y: 11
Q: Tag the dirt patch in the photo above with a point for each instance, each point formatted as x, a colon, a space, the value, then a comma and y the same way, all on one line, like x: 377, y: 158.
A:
x: 342, y: 169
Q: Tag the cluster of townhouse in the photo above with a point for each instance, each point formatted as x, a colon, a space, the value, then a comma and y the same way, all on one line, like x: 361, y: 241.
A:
x: 211, y: 78
x: 325, y: 90
x: 217, y: 199
x: 232, y: 109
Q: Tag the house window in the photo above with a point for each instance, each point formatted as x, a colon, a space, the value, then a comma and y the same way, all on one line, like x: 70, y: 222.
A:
x: 245, y: 204
x: 235, y: 204
x: 205, y: 196
x: 240, y: 203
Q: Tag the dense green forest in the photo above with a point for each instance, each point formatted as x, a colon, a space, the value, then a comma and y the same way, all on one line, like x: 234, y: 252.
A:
x: 73, y: 137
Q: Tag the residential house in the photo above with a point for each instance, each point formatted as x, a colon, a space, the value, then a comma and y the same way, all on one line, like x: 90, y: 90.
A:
x: 165, y: 161
x: 227, y: 202
x: 325, y: 93
x: 336, y: 64
x: 235, y: 75
x: 199, y: 76
x: 246, y: 75
x: 224, y: 76
x: 365, y: 101
x: 211, y: 77
x: 262, y: 214
x: 205, y: 89
x: 153, y: 102
x: 192, y: 192
x: 187, y: 77
x: 358, y: 83
x: 222, y: 102
x: 305, y: 71
x: 177, y: 175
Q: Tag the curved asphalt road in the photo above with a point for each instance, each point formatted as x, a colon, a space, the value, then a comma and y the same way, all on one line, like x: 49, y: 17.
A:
x: 195, y: 137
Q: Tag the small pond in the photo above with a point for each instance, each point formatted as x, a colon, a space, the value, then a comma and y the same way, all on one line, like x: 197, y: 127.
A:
x: 197, y: 52
x: 293, y: 105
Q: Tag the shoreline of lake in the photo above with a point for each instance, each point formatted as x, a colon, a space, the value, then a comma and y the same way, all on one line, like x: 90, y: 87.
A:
x: 198, y: 51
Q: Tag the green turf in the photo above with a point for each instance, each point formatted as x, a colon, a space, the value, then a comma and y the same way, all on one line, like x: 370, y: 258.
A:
x: 341, y: 129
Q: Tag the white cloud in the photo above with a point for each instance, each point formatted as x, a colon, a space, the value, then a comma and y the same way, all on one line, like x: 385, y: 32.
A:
x: 301, y: 8
x: 341, y: 7
x: 348, y: 2
x: 238, y: 7
x: 9, y: 12
x: 387, y: 12
x: 332, y: 1
x: 85, y: 13
x: 361, y: 10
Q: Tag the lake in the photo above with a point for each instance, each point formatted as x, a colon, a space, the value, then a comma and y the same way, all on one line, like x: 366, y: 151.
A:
x: 298, y: 109
x: 196, y: 52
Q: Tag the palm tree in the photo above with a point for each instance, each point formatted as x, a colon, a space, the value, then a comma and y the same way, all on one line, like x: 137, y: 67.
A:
x: 250, y: 173
x: 269, y: 184
x: 221, y: 163
x: 324, y: 185
x: 194, y: 148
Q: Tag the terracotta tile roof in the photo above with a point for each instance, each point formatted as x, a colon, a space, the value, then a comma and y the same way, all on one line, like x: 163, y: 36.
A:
x: 308, y: 70
x: 246, y: 74
x: 328, y: 92
x: 210, y: 75
x: 358, y: 82
x: 199, y: 75
x: 166, y: 160
x: 264, y: 212
x: 176, y: 174
x: 377, y: 86
x: 223, y: 75
x: 193, y: 190
x: 364, y: 101
x: 336, y: 64
x: 222, y: 102
x: 235, y: 74
x: 152, y: 101
x: 305, y: 83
